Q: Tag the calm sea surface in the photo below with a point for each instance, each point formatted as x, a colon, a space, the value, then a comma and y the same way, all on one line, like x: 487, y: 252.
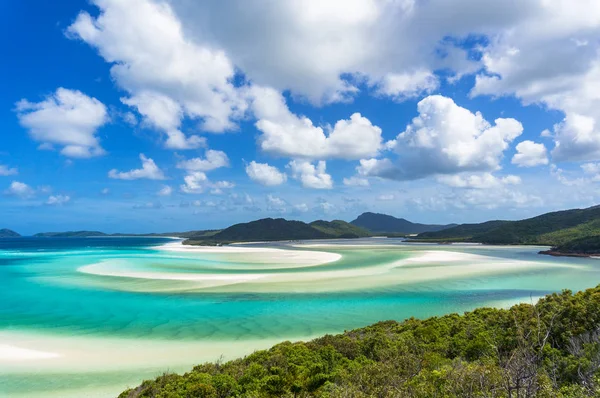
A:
x: 62, y: 297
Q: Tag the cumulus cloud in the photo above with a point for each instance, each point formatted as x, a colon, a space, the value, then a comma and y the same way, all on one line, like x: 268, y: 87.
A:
x: 478, y: 181
x: 265, y: 174
x: 301, y: 208
x: 168, y: 76
x: 276, y: 204
x: 149, y: 171
x: 530, y: 154
x: 552, y: 57
x: 166, y: 190
x: 7, y: 171
x: 197, y: 182
x: 68, y: 119
x: 355, y: 181
x: 445, y: 139
x: 576, y: 138
x: 287, y: 134
x: 19, y: 189
x: 212, y: 160
x: 316, y: 49
x: 311, y: 176
x: 401, y: 86
x: 58, y: 200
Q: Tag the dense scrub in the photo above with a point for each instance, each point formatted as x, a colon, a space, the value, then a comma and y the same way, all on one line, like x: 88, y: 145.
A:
x: 588, y: 245
x: 551, y: 349
x: 551, y: 229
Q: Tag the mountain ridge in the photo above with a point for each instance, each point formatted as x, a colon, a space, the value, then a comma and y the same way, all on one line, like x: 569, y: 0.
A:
x: 384, y: 223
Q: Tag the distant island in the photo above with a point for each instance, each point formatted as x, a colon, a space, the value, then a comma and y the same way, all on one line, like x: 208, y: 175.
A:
x: 8, y: 233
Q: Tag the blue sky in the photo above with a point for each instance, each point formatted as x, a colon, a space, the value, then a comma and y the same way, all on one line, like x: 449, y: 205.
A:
x: 154, y: 115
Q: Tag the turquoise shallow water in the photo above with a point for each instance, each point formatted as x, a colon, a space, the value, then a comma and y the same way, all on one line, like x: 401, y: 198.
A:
x: 127, y: 290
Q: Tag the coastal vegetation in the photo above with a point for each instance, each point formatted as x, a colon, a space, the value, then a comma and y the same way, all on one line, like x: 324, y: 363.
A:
x: 274, y: 229
x: 550, y: 349
x: 383, y: 223
x: 561, y: 229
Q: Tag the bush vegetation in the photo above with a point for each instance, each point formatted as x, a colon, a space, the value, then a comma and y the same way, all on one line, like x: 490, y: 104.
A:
x: 551, y: 349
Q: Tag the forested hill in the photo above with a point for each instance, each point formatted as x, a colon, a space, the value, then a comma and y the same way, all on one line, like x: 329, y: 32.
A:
x: 553, y: 229
x: 548, y: 350
x: 8, y: 233
x: 381, y: 223
x: 274, y: 229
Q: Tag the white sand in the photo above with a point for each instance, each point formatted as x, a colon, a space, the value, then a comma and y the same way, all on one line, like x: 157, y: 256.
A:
x: 10, y: 353
x: 74, y: 354
x: 301, y: 257
x: 423, y: 266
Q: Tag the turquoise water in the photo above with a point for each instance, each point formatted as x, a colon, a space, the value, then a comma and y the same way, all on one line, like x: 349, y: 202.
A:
x: 65, y: 295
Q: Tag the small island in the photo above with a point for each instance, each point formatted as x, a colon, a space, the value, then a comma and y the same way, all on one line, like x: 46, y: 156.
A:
x: 8, y: 233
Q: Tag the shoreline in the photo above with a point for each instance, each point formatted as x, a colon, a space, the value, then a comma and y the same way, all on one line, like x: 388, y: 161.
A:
x: 555, y: 253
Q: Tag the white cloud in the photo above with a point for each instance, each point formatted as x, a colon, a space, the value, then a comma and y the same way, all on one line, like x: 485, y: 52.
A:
x: 105, y: 191
x: 311, y: 47
x: 301, y: 208
x: 530, y: 154
x: 401, y: 86
x: 68, y: 119
x: 168, y: 76
x: 386, y: 197
x: 58, y: 200
x: 355, y: 181
x: 552, y: 56
x: 478, y: 181
x: 197, y: 182
x: 445, y: 139
x: 212, y: 160
x: 166, y: 190
x: 286, y: 134
x: 275, y: 203
x: 149, y: 171
x: 265, y: 174
x: 576, y: 138
x: 7, y: 171
x: 19, y: 189
x: 311, y: 176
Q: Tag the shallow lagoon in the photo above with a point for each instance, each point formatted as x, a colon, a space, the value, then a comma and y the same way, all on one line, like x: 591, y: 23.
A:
x: 89, y: 317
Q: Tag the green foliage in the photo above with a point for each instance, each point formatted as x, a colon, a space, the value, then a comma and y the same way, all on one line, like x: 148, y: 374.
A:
x: 382, y: 223
x: 548, y: 350
x: 340, y: 229
x: 552, y: 229
x: 587, y: 245
x: 274, y: 229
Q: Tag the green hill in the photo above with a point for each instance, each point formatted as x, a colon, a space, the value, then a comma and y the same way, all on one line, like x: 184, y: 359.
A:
x: 274, y: 229
x: 587, y: 246
x: 267, y: 229
x: 552, y: 229
x: 463, y: 231
x: 383, y: 223
x: 548, y: 350
x: 8, y: 233
x: 340, y: 229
